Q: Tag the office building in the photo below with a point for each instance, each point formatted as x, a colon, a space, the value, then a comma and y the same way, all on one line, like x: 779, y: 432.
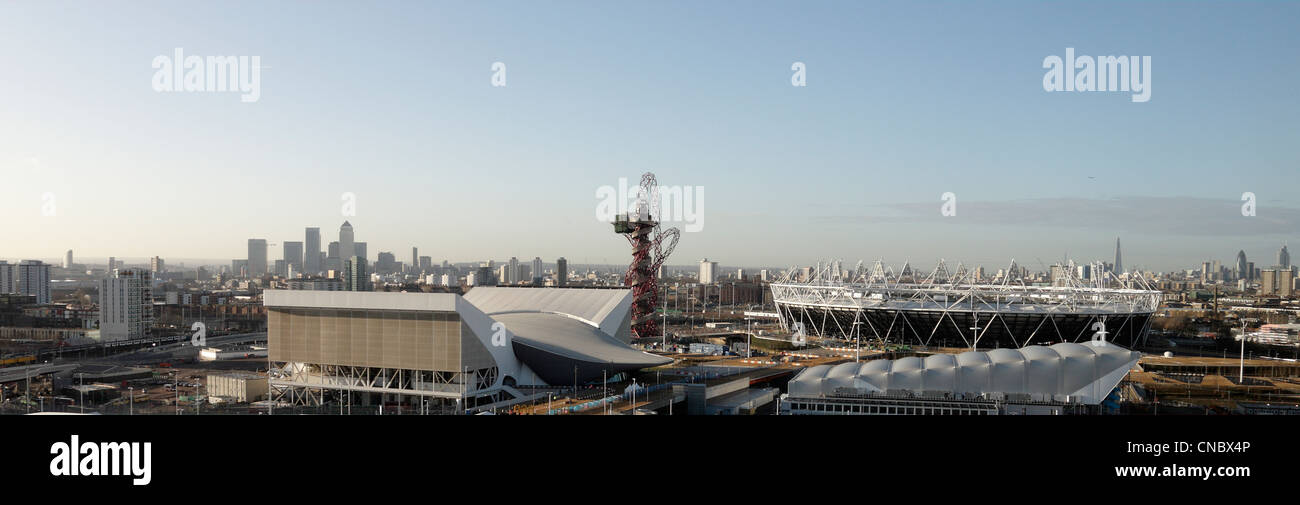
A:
x: 347, y: 246
x: 484, y: 275
x: 708, y: 271
x: 293, y: 255
x: 333, y: 261
x: 1119, y: 263
x: 1242, y: 272
x: 385, y: 263
x: 8, y: 278
x: 34, y: 280
x: 1277, y: 281
x: 311, y: 252
x: 256, y: 257
x: 561, y: 272
x: 125, y: 304
x: 356, y: 275
x: 314, y: 284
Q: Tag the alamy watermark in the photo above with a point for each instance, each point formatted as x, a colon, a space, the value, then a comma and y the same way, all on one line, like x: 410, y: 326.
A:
x: 498, y: 74
x: 99, y: 459
x: 200, y: 337
x: 500, y: 337
x: 242, y: 74
x: 1103, y: 73
x: 48, y: 206
x: 349, y: 205
x: 677, y: 204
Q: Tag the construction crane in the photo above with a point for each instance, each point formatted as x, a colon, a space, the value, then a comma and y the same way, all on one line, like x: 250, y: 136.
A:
x: 651, y: 245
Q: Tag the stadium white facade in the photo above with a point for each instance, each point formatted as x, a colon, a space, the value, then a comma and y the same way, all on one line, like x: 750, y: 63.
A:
x: 442, y: 349
x: 955, y: 310
x: 1057, y: 379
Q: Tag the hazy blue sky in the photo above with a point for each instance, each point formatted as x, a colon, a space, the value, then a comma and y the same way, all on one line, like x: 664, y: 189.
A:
x: 904, y: 101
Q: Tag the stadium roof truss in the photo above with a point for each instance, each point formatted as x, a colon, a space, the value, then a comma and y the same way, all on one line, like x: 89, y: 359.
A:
x: 953, y: 304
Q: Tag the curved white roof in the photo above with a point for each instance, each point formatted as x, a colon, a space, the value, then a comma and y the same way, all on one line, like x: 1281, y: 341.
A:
x: 573, y: 339
x: 1088, y: 371
x: 590, y: 305
x: 606, y: 309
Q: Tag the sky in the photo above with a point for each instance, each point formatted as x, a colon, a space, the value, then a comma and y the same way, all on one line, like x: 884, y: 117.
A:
x: 394, y: 103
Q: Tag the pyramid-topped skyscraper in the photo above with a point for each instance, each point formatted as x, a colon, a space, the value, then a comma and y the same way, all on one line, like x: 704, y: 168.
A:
x: 1119, y: 264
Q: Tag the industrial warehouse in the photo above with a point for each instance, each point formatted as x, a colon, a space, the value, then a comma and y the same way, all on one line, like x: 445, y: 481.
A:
x: 439, y: 351
x: 953, y: 310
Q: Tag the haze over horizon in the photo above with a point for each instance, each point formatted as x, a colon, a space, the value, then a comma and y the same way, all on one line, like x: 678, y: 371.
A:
x: 903, y: 102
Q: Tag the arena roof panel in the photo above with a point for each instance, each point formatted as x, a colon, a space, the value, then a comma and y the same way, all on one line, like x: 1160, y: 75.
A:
x: 591, y: 305
x: 1088, y: 371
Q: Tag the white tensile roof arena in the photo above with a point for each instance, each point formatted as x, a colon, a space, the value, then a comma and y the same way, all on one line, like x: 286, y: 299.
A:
x: 606, y: 309
x: 1087, y: 371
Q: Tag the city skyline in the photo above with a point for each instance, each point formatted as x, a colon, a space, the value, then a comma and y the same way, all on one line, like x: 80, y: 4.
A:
x: 715, y: 109
x: 687, y: 263
x: 1039, y: 265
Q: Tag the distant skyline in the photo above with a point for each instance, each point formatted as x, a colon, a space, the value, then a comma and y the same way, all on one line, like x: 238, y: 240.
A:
x: 1033, y: 264
x: 904, y: 101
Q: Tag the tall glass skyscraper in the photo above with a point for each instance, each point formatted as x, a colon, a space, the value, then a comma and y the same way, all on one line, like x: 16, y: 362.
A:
x: 256, y: 257
x: 356, y: 277
x: 311, y: 252
x: 347, y: 246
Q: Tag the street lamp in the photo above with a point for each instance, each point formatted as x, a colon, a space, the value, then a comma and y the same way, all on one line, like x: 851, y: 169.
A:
x: 1241, y: 374
x: 857, y: 341
x: 177, y: 389
x: 749, y: 350
x: 131, y: 404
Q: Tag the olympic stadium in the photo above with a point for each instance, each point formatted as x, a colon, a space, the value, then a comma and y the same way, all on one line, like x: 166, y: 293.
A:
x: 953, y: 310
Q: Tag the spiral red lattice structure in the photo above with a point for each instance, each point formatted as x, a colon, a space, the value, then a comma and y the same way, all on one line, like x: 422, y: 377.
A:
x: 648, y: 253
